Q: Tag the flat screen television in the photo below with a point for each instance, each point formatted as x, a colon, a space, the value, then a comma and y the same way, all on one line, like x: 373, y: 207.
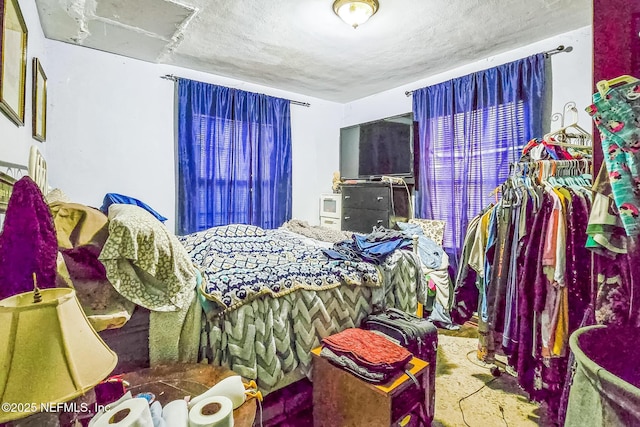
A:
x: 382, y: 147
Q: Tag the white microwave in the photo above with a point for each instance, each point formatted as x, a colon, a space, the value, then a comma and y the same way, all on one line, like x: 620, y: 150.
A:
x: 331, y: 205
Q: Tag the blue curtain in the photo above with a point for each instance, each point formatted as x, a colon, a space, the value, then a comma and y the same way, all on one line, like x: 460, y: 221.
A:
x: 234, y: 157
x: 469, y: 129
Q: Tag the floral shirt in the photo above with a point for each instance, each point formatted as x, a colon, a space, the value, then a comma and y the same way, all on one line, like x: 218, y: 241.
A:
x: 617, y: 117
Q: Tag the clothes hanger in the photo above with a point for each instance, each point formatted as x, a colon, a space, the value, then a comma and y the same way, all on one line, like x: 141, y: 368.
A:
x: 527, y: 183
x: 518, y: 190
x: 559, y: 136
x: 538, y: 186
x: 562, y: 174
x: 604, y: 86
x: 574, y: 179
x: 581, y: 173
x: 551, y: 179
x: 573, y: 175
x: 562, y: 135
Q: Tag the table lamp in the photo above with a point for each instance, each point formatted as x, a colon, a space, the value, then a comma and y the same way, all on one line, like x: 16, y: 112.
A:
x: 51, y: 354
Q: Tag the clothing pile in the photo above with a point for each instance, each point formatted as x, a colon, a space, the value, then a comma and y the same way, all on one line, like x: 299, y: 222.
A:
x: 365, y: 354
x: 374, y: 247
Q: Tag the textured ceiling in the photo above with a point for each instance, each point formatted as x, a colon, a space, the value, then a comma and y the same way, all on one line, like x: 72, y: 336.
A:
x: 302, y: 46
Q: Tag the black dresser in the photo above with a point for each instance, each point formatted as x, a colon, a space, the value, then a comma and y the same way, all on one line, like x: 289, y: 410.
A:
x: 370, y: 204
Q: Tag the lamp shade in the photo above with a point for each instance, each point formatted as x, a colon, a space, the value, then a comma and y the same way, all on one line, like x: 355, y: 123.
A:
x: 355, y: 12
x: 52, y: 353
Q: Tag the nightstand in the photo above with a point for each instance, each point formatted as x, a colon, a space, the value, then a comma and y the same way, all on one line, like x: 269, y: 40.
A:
x: 342, y: 399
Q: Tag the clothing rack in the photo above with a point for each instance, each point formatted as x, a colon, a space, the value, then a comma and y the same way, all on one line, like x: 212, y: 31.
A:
x: 176, y: 78
x: 551, y: 323
x: 525, y: 266
x: 547, y: 168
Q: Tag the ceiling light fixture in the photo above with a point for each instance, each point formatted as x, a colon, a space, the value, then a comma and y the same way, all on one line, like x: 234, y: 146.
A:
x: 355, y: 12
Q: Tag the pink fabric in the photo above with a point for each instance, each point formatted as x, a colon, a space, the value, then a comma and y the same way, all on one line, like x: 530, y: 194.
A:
x: 28, y: 241
x: 369, y: 348
x: 83, y: 264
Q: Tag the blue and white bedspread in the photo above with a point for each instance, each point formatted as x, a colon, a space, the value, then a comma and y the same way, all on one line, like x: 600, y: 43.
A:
x: 269, y: 340
x: 242, y: 262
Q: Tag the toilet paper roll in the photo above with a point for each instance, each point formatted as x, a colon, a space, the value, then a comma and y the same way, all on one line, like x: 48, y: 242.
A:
x: 176, y: 414
x: 101, y: 411
x: 138, y: 414
x: 201, y: 416
x: 230, y: 387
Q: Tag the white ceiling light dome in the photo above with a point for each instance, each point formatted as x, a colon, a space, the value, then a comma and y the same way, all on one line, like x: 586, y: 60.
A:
x: 355, y: 12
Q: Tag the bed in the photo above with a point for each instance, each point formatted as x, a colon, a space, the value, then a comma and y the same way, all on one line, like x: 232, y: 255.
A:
x: 263, y: 299
x: 251, y: 299
x: 268, y: 337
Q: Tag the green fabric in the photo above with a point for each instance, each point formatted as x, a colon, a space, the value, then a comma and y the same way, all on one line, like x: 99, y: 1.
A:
x: 616, y: 116
x: 269, y: 339
x: 597, y: 397
x: 145, y: 262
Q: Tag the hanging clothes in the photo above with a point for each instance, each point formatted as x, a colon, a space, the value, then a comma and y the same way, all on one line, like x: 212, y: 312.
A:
x: 614, y: 224
x: 606, y: 233
x: 617, y: 117
x: 529, y: 257
x: 467, y: 287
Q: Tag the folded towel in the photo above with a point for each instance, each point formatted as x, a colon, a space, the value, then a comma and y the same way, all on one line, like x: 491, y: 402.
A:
x: 368, y: 349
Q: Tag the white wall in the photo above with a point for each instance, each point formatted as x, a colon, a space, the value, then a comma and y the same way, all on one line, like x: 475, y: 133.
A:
x: 15, y: 140
x: 112, y: 120
x: 572, y: 80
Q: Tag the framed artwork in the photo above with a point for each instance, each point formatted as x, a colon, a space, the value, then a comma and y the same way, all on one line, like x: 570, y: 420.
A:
x: 39, y: 115
x: 13, y: 60
x: 6, y: 187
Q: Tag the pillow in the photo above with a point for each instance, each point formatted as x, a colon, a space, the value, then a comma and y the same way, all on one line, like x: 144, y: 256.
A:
x: 432, y: 228
x: 410, y: 230
x: 145, y: 262
x: 56, y: 195
x: 78, y: 225
x: 111, y: 198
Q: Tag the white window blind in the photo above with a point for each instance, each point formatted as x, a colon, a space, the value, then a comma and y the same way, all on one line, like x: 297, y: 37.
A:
x: 477, y: 146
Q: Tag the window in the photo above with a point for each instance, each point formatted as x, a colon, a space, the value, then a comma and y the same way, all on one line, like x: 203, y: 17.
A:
x: 234, y: 158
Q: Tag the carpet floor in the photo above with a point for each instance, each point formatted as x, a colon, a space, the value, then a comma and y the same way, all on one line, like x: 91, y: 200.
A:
x: 461, y: 399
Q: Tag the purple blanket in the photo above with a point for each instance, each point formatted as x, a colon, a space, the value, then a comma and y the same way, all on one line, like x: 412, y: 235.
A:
x: 28, y: 241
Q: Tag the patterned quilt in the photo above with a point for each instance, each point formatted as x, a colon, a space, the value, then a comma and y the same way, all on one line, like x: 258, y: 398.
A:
x: 240, y: 263
x: 269, y: 339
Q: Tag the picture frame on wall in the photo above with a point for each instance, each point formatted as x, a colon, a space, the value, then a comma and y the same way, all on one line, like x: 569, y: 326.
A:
x: 13, y: 61
x: 39, y: 101
x: 6, y: 187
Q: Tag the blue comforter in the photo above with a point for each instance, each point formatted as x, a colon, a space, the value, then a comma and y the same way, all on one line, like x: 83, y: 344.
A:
x: 241, y: 262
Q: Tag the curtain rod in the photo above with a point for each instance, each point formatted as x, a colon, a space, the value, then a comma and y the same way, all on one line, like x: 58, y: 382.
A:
x: 548, y: 53
x: 175, y: 79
